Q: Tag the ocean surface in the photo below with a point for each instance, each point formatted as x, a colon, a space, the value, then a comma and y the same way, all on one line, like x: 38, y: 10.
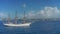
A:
x: 38, y: 27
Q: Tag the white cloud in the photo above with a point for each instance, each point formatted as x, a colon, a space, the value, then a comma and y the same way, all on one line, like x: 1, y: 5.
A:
x: 3, y: 15
x: 47, y: 12
x: 24, y: 5
x: 51, y: 12
x: 31, y: 14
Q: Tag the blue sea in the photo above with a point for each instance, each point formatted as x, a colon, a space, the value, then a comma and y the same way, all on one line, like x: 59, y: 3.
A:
x: 38, y: 27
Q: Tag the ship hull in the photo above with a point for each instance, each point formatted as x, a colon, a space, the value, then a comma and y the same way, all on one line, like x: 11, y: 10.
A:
x: 21, y: 25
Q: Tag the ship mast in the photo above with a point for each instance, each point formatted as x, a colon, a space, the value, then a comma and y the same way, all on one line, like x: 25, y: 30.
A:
x: 24, y: 18
x: 16, y: 17
x: 8, y: 18
x: 15, y: 20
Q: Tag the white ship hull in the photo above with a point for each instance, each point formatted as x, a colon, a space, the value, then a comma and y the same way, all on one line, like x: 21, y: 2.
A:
x: 22, y: 24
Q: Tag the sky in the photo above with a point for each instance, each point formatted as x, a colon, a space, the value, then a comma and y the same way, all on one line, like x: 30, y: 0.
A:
x: 32, y: 8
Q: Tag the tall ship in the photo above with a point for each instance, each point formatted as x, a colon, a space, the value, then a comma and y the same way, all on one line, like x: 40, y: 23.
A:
x: 23, y: 24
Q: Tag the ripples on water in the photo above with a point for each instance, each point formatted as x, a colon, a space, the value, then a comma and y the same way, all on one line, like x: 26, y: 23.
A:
x: 38, y: 27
